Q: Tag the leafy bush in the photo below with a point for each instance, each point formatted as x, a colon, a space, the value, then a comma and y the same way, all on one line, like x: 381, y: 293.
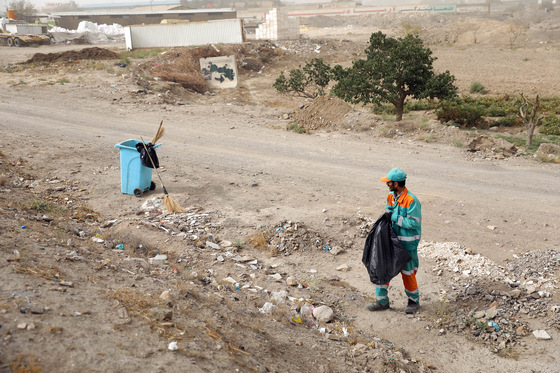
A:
x: 419, y: 105
x: 310, y: 81
x: 508, y: 121
x: 550, y: 125
x: 296, y: 128
x: 460, y: 113
x: 477, y: 87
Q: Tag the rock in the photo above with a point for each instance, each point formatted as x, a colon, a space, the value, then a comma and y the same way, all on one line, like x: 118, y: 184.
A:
x: 230, y: 280
x: 159, y: 259
x: 122, y: 313
x: 337, y: 250
x: 548, y: 151
x: 166, y: 296
x: 343, y: 268
x: 22, y: 325
x: 37, y: 310
x: 213, y: 245
x: 541, y: 334
x: 491, y: 312
x: 335, y: 337
x: 276, y: 277
x: 108, y: 223
x: 243, y: 259
x: 515, y: 293
x: 172, y: 346
x: 291, y: 281
x: 323, y: 313
x: 30, y: 326
x: 165, y: 315
x: 479, y: 315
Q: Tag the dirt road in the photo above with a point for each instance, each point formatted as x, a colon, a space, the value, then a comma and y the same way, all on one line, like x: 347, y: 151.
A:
x: 214, y: 154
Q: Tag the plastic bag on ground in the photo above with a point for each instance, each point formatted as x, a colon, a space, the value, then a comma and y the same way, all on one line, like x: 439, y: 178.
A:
x: 384, y: 256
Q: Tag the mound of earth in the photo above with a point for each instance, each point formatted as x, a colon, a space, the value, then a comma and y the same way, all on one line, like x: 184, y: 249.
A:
x: 333, y: 113
x: 94, y: 53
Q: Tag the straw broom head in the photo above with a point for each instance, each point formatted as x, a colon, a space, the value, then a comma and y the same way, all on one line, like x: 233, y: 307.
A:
x: 159, y: 133
x: 171, y: 206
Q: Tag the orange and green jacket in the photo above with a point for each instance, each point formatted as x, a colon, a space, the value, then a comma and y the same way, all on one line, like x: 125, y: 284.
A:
x: 407, y: 224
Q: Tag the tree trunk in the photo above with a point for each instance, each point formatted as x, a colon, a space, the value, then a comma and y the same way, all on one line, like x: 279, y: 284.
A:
x: 399, y: 108
x: 530, y: 130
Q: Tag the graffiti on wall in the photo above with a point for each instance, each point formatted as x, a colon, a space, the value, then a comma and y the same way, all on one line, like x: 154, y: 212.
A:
x: 219, y: 72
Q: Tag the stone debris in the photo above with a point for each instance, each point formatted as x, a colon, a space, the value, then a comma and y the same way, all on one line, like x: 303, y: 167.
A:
x: 323, y: 313
x: 291, y: 281
x: 343, y: 267
x: 541, y: 334
x: 159, y: 259
x: 289, y: 236
x: 531, y: 279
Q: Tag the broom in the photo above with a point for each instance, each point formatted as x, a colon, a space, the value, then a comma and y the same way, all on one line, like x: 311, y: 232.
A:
x: 159, y: 133
x: 168, y: 202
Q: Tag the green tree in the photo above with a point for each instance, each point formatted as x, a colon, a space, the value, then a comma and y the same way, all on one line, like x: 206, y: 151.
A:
x: 395, y: 68
x: 25, y: 9
x: 309, y: 81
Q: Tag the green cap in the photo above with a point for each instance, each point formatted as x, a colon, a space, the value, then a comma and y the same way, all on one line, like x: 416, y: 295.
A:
x: 396, y: 174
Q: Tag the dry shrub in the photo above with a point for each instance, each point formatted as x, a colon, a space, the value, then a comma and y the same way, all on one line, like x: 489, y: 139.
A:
x: 182, y: 65
x: 251, y: 64
x: 43, y: 271
x: 135, y: 302
x: 259, y: 240
x: 25, y: 364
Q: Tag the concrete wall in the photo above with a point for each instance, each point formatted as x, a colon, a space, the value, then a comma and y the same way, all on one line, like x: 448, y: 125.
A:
x: 72, y: 21
x: 278, y: 26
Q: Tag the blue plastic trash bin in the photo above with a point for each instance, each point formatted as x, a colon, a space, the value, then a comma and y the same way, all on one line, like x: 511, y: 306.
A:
x: 135, y: 177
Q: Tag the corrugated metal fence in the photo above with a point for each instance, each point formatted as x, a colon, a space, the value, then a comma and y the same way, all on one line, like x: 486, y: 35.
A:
x: 184, y: 34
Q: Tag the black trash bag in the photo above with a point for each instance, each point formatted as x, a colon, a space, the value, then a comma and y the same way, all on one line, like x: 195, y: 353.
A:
x: 144, y: 156
x: 384, y: 256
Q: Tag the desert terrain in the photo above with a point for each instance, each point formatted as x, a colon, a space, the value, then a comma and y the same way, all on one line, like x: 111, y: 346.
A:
x: 275, y: 222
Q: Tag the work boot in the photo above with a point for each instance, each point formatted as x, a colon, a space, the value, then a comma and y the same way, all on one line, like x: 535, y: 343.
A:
x: 377, y: 306
x: 412, y: 307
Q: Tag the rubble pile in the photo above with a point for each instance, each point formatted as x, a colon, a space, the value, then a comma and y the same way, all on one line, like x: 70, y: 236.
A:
x: 508, y: 296
x: 450, y: 255
x: 535, y: 264
x: 195, y: 225
x: 288, y: 236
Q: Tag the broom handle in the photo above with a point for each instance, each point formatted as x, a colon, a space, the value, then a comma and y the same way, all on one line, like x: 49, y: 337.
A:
x: 154, y: 166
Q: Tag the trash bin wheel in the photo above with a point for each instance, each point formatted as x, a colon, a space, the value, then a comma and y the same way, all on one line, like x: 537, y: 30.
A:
x: 138, y: 192
x: 152, y: 185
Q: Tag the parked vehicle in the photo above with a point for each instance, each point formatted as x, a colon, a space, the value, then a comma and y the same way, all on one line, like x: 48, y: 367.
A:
x: 22, y: 34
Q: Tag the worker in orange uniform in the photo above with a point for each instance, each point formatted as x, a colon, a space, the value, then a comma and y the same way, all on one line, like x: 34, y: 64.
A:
x: 406, y: 217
